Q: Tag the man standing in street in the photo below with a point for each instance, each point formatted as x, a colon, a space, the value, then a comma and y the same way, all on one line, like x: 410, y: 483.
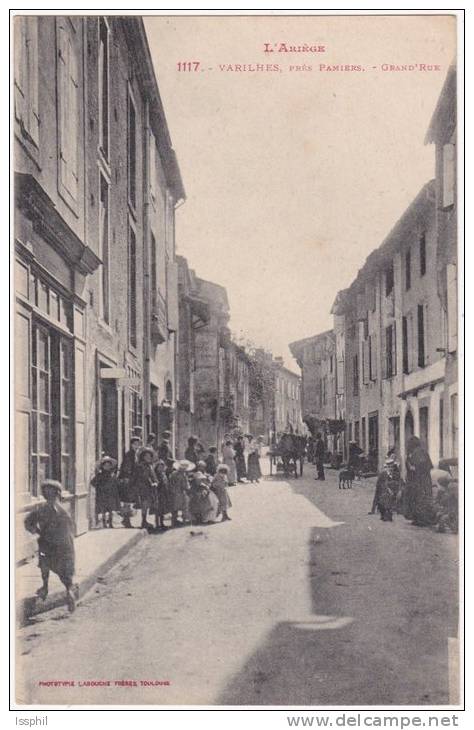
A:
x: 319, y: 451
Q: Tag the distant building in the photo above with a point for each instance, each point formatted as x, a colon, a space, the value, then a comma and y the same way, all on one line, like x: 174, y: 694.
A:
x: 316, y: 357
x: 287, y: 399
x: 236, y: 412
x: 210, y: 343
x: 194, y: 313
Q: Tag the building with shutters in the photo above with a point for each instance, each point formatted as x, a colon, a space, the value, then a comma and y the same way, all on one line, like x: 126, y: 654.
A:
x: 96, y: 286
x: 442, y: 133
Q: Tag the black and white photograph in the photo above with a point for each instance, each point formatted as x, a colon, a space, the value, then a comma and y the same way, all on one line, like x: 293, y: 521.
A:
x: 237, y: 395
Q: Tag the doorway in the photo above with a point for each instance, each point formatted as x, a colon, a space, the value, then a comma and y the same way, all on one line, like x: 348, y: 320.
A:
x: 108, y: 418
x: 373, y: 441
x: 424, y: 426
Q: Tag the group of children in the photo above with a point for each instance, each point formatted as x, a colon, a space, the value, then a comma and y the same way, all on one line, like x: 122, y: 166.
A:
x: 150, y: 480
x: 191, y: 490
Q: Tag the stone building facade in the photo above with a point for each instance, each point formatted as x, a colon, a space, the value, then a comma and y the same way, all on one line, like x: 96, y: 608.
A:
x: 96, y: 185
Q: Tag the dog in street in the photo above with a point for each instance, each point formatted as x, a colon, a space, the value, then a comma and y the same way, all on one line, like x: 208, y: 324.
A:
x: 346, y: 477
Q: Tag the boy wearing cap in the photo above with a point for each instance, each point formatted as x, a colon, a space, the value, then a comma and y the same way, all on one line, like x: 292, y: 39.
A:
x: 55, y: 532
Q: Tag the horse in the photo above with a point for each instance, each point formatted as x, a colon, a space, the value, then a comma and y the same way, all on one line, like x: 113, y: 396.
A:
x: 292, y: 450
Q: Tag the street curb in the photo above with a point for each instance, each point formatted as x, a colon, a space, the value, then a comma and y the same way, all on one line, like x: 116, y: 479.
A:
x: 32, y: 606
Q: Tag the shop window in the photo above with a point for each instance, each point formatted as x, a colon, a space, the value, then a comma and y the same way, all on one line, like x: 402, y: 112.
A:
x: 51, y: 409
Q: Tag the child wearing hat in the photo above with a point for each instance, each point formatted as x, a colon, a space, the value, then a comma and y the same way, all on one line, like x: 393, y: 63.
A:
x: 147, y: 484
x: 107, y: 499
x: 179, y: 492
x: 219, y: 487
x: 55, y: 532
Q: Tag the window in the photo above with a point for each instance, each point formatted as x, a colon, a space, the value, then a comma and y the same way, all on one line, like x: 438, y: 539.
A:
x: 51, y: 408
x: 104, y: 87
x: 356, y: 432
x: 355, y: 374
x: 135, y: 412
x: 389, y: 278
x: 390, y: 351
x: 449, y: 174
x: 408, y: 270
x: 26, y: 77
x: 441, y: 426
x: 132, y: 153
x: 366, y: 328
x: 451, y: 286
x: 104, y: 249
x: 132, y: 287
x: 372, y: 357
x: 152, y: 169
x: 331, y: 364
x: 454, y: 424
x: 405, y: 364
x: 364, y: 434
x: 421, y: 336
x: 68, y: 109
x: 154, y: 281
x: 422, y: 254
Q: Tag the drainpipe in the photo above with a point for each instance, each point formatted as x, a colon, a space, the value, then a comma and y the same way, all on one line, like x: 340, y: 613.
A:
x: 146, y: 273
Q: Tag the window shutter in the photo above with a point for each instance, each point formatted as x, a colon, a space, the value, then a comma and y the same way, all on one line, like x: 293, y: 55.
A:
x: 152, y: 167
x: 20, y: 68
x: 62, y: 54
x: 365, y: 362
x: 32, y: 48
x: 451, y: 276
x: 448, y: 174
x: 394, y: 348
x: 73, y: 90
x: 68, y: 109
x: 173, y: 311
x: 374, y: 357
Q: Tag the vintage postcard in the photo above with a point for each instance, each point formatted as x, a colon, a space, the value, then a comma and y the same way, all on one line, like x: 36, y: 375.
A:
x: 237, y: 355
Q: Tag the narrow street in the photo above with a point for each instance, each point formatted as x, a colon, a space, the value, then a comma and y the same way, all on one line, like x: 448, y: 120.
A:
x: 302, y: 598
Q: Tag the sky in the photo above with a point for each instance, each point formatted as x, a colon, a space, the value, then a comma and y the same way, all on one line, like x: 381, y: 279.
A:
x: 293, y: 177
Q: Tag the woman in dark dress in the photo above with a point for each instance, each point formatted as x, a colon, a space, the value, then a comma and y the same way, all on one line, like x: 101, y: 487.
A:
x: 419, y: 485
x: 239, y: 448
x: 254, y: 471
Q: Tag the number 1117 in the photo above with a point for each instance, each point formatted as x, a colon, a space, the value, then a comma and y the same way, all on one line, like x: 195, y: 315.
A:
x: 188, y: 65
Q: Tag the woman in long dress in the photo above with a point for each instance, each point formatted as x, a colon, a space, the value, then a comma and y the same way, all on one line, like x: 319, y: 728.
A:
x: 419, y: 482
x: 228, y: 457
x: 241, y: 466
